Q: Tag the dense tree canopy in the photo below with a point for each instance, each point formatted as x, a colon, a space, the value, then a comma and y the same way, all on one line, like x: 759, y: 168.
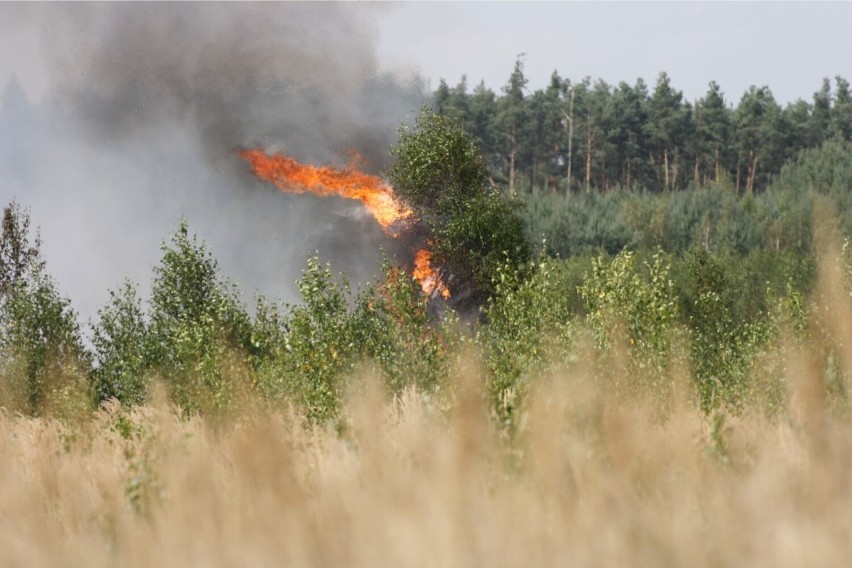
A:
x: 591, y: 136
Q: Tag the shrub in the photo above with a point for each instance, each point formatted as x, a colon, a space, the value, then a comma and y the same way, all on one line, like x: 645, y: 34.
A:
x: 119, y: 339
x: 528, y: 327
x: 198, y: 331
x: 617, y: 293
x: 43, y: 359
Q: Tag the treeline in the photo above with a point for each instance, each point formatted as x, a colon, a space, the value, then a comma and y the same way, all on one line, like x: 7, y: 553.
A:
x: 592, y: 137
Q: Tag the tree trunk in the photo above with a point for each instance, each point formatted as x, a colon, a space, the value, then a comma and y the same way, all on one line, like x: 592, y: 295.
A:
x: 552, y: 178
x: 697, y: 175
x: 666, y: 167
x: 716, y: 152
x: 752, y: 171
x: 570, y: 118
x: 738, y: 179
x: 588, y: 159
x: 512, y: 165
x: 534, y: 174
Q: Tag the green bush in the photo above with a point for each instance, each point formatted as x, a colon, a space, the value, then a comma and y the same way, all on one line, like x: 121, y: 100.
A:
x: 620, y: 294
x: 199, y: 331
x: 393, y: 327
x: 44, y: 363
x: 119, y: 339
x: 529, y: 329
x: 304, y: 353
x: 722, y: 342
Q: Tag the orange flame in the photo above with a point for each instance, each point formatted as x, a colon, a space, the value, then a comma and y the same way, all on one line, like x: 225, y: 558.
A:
x: 430, y: 280
x: 289, y: 175
x: 377, y: 196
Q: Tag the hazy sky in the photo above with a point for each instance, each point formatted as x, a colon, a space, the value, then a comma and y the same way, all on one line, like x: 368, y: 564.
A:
x: 118, y: 119
x: 788, y: 46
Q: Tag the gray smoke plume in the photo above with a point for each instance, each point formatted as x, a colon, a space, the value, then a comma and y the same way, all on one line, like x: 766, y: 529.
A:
x: 148, y: 104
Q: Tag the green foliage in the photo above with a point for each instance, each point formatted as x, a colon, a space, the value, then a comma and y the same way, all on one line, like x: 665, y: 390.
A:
x: 119, y: 340
x: 440, y: 172
x: 722, y: 343
x: 42, y: 348
x: 484, y: 233
x: 393, y: 327
x: 319, y: 343
x: 732, y: 304
x: 736, y: 221
x: 198, y: 328
x: 437, y: 166
x: 575, y: 226
x: 623, y: 136
x: 619, y: 293
x: 529, y: 331
x: 304, y: 354
x: 43, y: 360
x: 825, y: 171
x: 18, y: 257
x: 713, y: 218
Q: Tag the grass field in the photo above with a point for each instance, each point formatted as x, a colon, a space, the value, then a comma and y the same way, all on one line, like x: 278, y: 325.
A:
x: 591, y: 479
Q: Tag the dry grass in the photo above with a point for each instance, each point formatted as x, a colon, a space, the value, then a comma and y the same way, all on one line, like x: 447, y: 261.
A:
x: 593, y: 480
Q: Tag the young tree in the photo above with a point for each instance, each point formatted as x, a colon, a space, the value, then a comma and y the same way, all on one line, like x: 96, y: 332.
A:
x: 197, y: 324
x: 841, y: 114
x: 547, y: 135
x: 119, y: 339
x: 452, y: 102
x: 18, y: 257
x: 629, y: 133
x: 820, y: 123
x: 759, y: 137
x: 592, y: 114
x: 441, y: 174
x: 42, y: 349
x: 796, y: 117
x: 441, y: 98
x: 481, y: 123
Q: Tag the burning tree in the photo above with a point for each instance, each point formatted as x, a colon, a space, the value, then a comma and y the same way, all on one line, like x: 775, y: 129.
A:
x: 372, y: 191
x: 440, y: 173
x: 438, y: 199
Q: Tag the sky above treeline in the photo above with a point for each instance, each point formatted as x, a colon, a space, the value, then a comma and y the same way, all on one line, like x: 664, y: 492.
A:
x: 788, y: 46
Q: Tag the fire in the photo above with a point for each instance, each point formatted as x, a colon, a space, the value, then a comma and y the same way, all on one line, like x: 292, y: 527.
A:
x: 429, y: 279
x: 290, y: 176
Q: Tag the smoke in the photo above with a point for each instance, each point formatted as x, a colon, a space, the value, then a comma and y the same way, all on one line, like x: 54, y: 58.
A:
x: 147, y: 105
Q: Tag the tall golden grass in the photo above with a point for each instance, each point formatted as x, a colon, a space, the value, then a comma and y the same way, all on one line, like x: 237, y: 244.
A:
x: 592, y: 479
